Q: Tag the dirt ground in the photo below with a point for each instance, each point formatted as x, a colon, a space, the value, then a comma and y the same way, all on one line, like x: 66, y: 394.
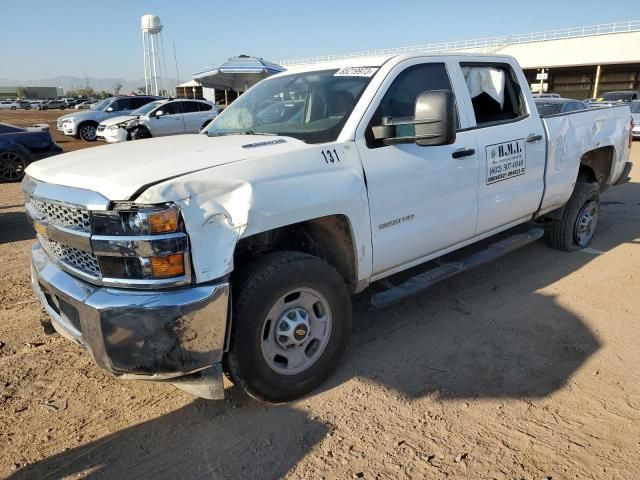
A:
x: 524, y: 369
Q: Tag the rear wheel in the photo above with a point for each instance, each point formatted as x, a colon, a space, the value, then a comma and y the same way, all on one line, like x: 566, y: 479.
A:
x: 13, y: 108
x: 575, y: 229
x: 87, y: 131
x: 12, y: 166
x: 291, y: 319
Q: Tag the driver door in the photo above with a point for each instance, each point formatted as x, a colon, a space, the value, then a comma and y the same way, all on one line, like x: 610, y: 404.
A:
x: 170, y: 122
x: 422, y: 200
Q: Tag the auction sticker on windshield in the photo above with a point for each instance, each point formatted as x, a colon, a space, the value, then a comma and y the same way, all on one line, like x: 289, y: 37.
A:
x: 505, y: 160
x: 356, y: 72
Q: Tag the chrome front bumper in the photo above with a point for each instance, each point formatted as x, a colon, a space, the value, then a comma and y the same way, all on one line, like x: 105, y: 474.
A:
x: 177, y: 335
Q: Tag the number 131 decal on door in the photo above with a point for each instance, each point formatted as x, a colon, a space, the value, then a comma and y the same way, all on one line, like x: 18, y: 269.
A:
x: 330, y: 156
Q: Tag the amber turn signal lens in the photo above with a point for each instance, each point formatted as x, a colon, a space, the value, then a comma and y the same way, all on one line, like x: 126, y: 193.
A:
x: 169, y: 266
x: 163, y: 222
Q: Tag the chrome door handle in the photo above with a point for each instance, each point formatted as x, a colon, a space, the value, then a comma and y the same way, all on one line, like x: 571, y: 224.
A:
x: 463, y: 152
x: 534, y: 137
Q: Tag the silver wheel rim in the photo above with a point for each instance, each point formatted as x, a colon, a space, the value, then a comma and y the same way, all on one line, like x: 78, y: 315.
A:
x: 88, y: 132
x: 12, y: 166
x: 296, y: 331
x: 586, y: 224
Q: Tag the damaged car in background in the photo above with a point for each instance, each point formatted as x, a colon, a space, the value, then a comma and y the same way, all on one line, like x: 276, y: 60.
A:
x: 312, y: 185
x: 157, y: 119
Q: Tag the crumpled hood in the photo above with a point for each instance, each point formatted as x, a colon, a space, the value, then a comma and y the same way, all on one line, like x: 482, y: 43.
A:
x: 119, y: 119
x: 120, y: 170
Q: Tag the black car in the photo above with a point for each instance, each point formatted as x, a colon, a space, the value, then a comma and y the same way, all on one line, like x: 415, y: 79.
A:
x: 553, y: 106
x: 21, y: 146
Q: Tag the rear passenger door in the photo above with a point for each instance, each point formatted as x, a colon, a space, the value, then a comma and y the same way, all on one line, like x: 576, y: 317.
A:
x: 511, y: 144
x: 193, y: 117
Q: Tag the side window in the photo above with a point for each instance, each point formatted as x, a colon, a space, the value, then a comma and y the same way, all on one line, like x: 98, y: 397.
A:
x: 190, y: 107
x: 495, y: 93
x: 171, y: 108
x: 120, y: 104
x: 400, y: 99
x: 205, y: 107
x: 137, y: 102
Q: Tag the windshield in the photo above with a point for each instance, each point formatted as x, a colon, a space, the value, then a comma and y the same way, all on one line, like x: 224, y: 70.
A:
x: 310, y: 106
x: 143, y: 110
x: 635, y: 107
x: 102, y: 105
x: 545, y: 109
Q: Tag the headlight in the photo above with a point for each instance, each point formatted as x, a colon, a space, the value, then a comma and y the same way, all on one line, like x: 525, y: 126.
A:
x: 132, y: 123
x: 67, y: 121
x: 141, y: 243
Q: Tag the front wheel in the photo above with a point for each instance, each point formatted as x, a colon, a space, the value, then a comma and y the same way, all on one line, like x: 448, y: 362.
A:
x: 87, y: 131
x: 575, y: 229
x: 12, y: 166
x: 291, y: 319
x: 13, y: 108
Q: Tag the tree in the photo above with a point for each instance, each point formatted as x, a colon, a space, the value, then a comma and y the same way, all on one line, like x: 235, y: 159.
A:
x: 116, y: 88
x: 21, y: 92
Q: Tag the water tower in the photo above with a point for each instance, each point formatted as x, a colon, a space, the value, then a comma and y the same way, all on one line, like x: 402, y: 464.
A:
x: 153, y: 47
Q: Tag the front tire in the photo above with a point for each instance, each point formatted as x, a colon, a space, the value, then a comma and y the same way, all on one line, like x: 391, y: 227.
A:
x: 87, y: 131
x: 13, y: 108
x: 291, y: 320
x: 575, y: 229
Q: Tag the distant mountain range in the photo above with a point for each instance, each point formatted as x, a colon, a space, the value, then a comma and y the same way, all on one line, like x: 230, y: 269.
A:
x: 99, y: 84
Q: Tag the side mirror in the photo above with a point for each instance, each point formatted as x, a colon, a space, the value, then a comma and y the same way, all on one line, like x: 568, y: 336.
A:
x: 434, y: 122
x: 110, y: 109
x: 159, y: 113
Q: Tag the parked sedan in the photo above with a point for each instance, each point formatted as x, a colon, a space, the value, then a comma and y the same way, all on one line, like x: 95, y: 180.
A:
x: 21, y: 146
x: 554, y: 106
x: 52, y: 104
x: 9, y: 105
x: 157, y: 119
x: 86, y: 105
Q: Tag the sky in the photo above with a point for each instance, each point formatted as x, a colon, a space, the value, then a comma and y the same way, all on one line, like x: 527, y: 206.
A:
x: 48, y: 38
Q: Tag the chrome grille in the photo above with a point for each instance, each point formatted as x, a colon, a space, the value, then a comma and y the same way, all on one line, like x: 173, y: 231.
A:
x: 62, y: 216
x: 84, y: 261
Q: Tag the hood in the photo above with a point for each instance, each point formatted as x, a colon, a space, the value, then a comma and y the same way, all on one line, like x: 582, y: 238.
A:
x: 120, y: 170
x: 119, y: 119
x: 81, y: 115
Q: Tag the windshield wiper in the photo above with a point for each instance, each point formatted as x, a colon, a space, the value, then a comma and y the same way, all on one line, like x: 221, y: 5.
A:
x: 246, y: 132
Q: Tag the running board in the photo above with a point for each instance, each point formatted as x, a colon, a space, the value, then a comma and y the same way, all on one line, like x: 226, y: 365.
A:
x: 424, y: 280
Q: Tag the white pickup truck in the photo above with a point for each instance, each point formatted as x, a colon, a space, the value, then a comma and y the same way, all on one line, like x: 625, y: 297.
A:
x: 312, y: 185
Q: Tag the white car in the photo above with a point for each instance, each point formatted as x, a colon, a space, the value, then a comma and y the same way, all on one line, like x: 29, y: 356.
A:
x: 9, y: 105
x: 83, y: 124
x: 158, y: 119
x: 237, y: 250
x: 85, y: 105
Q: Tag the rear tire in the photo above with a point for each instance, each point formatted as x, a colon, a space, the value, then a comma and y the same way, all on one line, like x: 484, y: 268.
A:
x: 291, y: 319
x: 13, y: 108
x: 575, y: 229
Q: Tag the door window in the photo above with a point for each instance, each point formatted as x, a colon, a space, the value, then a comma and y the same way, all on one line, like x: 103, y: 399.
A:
x: 171, y: 108
x: 400, y: 99
x: 137, y: 102
x: 205, y: 107
x: 120, y: 104
x: 495, y: 93
x: 190, y: 107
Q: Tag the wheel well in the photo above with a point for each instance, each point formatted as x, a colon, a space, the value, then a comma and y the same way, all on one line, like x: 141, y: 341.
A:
x: 329, y: 238
x: 595, y: 166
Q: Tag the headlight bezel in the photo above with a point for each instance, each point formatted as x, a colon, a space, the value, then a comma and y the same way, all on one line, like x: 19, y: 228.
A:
x: 127, y: 255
